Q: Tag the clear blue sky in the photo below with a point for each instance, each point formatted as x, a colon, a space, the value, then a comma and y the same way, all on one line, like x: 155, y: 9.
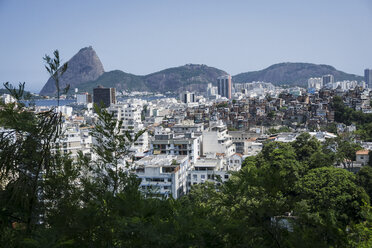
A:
x: 141, y: 37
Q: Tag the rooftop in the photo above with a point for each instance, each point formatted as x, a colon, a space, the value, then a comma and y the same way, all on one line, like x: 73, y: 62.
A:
x: 161, y: 160
x: 362, y: 152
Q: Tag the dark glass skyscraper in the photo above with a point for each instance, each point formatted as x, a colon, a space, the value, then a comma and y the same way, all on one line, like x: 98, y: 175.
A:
x: 106, y: 96
x: 326, y: 79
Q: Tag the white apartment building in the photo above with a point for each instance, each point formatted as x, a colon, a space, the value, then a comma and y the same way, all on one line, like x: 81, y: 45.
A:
x: 234, y: 162
x: 188, y: 127
x: 217, y: 141
x: 169, y: 143
x: 211, y: 90
x: 75, y: 140
x: 212, y: 168
x: 252, y: 147
x: 187, y: 97
x: 65, y: 110
x: 162, y: 175
x: 130, y: 115
x: 83, y: 98
x: 362, y: 157
x: 315, y: 83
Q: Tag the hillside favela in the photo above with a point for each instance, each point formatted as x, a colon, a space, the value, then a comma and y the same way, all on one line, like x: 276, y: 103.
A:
x: 186, y: 124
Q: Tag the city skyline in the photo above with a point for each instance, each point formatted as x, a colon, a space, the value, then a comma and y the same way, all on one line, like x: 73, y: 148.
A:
x: 139, y: 38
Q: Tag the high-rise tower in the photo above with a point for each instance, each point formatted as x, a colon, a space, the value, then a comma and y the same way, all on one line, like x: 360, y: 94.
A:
x: 224, y: 86
x: 368, y: 77
x: 104, y: 95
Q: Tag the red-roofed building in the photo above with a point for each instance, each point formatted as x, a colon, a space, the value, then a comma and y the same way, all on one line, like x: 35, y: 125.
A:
x: 362, y: 157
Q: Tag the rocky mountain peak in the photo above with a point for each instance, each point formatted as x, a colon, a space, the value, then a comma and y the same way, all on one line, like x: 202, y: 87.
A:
x: 83, y: 67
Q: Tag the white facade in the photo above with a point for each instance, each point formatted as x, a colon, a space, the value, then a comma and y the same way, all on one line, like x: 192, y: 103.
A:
x: 234, y: 162
x: 187, y: 97
x: 211, y: 90
x: 82, y: 98
x: 130, y: 115
x: 75, y: 140
x: 65, y: 110
x: 169, y: 143
x: 212, y: 169
x: 252, y: 148
x: 315, y: 83
x: 216, y: 140
x: 362, y: 157
x: 162, y: 175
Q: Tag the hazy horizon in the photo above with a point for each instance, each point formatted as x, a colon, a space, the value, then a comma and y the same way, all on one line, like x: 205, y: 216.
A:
x: 143, y: 37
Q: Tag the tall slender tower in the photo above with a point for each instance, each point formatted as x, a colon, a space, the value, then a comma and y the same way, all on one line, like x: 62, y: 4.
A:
x: 368, y: 77
x: 224, y: 86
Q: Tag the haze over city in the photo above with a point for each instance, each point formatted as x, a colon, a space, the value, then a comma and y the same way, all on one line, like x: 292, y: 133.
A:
x: 142, y: 37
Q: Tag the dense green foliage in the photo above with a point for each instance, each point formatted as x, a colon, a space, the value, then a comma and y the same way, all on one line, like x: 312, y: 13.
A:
x: 346, y: 115
x: 282, y: 129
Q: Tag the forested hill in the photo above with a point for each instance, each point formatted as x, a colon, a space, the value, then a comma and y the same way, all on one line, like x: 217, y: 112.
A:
x: 293, y: 74
x: 188, y: 77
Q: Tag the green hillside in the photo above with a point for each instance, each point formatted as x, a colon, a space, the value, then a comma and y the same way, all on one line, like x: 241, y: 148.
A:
x: 293, y: 74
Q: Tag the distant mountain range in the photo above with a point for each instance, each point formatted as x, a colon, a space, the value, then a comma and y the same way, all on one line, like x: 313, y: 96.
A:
x: 293, y: 74
x: 85, y: 72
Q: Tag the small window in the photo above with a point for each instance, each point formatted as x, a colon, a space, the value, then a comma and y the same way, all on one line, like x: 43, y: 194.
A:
x: 202, y: 176
x: 226, y: 176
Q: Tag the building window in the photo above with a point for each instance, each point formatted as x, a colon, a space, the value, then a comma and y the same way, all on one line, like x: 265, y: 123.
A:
x: 202, y: 176
x: 226, y: 176
x: 195, y: 176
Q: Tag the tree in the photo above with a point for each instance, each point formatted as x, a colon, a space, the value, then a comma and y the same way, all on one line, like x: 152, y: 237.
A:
x: 305, y: 146
x: 364, y: 179
x: 56, y: 70
x: 26, y: 158
x: 329, y: 199
x: 112, y: 148
x: 279, y: 165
